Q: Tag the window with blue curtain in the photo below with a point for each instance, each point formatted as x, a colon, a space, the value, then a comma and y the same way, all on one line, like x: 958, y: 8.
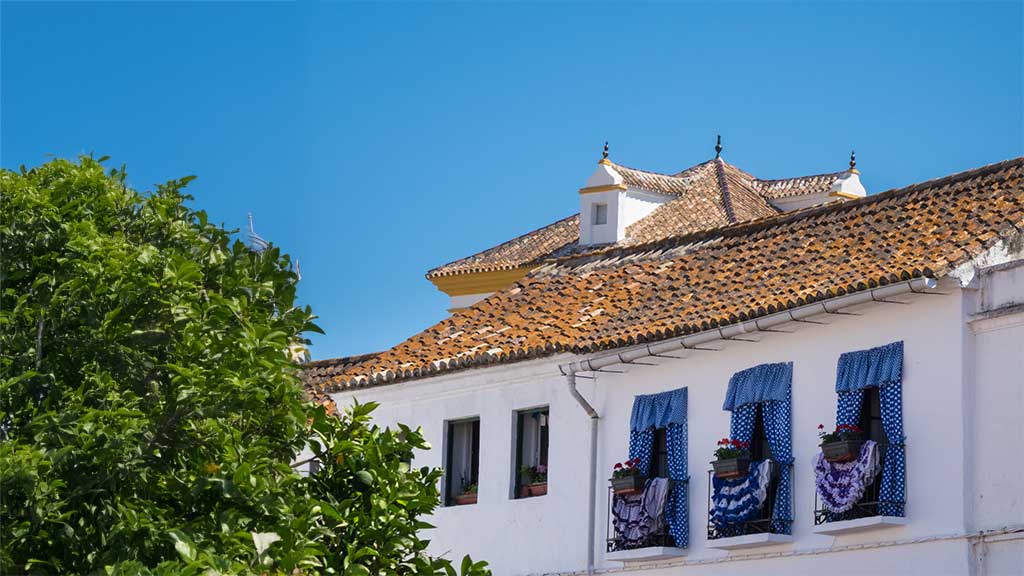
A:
x: 763, y: 393
x: 881, y: 368
x: 653, y: 413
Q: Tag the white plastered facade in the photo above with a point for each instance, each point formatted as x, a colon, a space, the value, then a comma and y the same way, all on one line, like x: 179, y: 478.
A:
x: 963, y: 400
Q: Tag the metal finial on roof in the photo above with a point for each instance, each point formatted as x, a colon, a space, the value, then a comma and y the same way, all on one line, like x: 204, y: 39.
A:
x: 604, y: 155
x: 718, y: 147
x: 853, y: 160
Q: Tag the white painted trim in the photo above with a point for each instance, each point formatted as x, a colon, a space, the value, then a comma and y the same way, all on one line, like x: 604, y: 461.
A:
x: 750, y: 541
x: 1011, y: 532
x: 997, y: 320
x: 858, y: 525
x: 646, y: 554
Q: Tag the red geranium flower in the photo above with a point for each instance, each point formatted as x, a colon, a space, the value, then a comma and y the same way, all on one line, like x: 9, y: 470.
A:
x: 821, y: 426
x: 618, y: 465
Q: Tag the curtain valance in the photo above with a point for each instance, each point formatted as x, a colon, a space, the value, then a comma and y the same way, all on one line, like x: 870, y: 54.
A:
x: 658, y: 410
x: 759, y: 384
x: 879, y: 367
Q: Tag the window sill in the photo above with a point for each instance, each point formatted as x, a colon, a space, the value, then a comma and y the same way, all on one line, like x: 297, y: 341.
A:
x: 646, y: 554
x: 749, y: 541
x: 858, y: 525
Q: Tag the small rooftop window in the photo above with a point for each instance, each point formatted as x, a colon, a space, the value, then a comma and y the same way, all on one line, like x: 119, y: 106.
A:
x: 600, y: 214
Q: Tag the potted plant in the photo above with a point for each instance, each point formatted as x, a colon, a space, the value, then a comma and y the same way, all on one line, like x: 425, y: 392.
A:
x: 626, y: 478
x: 468, y: 495
x: 732, y: 458
x: 842, y: 444
x: 534, y: 481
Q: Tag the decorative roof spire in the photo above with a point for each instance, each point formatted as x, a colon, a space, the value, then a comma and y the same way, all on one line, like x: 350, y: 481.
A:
x: 853, y: 162
x: 604, y: 155
x: 718, y: 147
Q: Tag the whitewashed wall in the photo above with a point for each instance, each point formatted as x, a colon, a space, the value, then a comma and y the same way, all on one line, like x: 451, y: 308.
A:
x: 961, y: 393
x: 994, y: 401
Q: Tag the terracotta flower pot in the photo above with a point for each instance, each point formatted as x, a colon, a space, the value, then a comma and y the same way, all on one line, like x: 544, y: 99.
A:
x: 731, y: 467
x: 535, y: 489
x: 467, y: 498
x: 841, y: 450
x: 626, y: 485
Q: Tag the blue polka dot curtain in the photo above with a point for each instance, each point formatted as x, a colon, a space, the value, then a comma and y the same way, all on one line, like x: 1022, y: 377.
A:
x: 665, y: 410
x: 768, y: 385
x: 880, y: 367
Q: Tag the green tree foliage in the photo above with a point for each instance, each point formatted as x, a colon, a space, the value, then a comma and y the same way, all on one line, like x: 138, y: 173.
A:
x: 149, y: 411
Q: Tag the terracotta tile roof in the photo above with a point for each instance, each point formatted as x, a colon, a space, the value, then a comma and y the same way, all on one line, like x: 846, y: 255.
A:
x: 622, y: 295
x: 787, y: 187
x: 319, y: 372
x: 675, y: 185
x: 526, y: 249
x: 711, y: 194
x: 718, y: 194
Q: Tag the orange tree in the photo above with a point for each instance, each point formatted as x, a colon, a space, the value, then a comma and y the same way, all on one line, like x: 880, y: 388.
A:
x: 148, y: 410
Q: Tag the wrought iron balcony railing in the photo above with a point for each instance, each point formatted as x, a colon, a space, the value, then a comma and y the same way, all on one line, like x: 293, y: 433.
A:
x: 761, y: 523
x: 868, y: 505
x: 661, y: 538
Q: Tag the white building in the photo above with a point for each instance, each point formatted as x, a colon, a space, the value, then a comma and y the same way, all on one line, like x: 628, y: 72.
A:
x: 668, y: 282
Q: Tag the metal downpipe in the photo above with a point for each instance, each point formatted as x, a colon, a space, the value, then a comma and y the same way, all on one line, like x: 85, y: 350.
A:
x: 570, y: 379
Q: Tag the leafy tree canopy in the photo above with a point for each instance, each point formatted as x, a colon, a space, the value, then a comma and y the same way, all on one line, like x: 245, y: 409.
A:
x: 149, y: 411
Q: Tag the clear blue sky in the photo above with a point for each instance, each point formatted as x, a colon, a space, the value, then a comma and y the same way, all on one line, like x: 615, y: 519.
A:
x: 374, y: 142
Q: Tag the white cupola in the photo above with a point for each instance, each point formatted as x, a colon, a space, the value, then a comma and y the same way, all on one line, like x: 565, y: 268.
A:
x: 848, y: 184
x: 608, y: 205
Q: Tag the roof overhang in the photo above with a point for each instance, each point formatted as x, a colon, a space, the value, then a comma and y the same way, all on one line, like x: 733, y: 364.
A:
x: 479, y: 282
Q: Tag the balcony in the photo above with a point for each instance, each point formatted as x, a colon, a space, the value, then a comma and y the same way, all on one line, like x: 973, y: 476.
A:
x: 656, y: 545
x: 866, y: 514
x: 760, y: 530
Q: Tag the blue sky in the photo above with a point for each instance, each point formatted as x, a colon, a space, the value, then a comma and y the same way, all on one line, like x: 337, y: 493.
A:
x: 376, y: 141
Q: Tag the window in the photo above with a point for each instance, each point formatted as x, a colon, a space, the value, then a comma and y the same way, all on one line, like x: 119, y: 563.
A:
x: 532, y: 431
x: 462, y: 470
x: 600, y: 214
x: 761, y: 450
x: 871, y: 418
x: 659, y: 455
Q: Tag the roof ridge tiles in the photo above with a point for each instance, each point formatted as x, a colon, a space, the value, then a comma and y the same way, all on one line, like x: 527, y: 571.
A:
x: 662, y: 174
x: 807, y: 177
x: 761, y: 224
x: 723, y: 185
x: 438, y: 270
x: 613, y: 297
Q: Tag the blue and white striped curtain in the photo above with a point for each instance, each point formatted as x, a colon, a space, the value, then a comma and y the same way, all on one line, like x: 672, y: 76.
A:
x: 880, y: 367
x: 770, y: 386
x: 666, y: 410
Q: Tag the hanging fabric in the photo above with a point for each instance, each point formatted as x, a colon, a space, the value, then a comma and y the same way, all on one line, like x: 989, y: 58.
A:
x: 777, y: 428
x: 658, y: 410
x: 735, y: 501
x: 891, y: 497
x: 882, y: 368
x: 761, y: 383
x: 637, y: 517
x: 665, y: 410
x: 768, y: 386
x: 875, y: 367
x: 641, y: 445
x: 676, y: 511
x: 842, y: 484
x: 742, y: 426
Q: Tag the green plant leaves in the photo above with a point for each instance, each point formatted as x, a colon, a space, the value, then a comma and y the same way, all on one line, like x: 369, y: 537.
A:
x: 183, y: 545
x: 151, y: 412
